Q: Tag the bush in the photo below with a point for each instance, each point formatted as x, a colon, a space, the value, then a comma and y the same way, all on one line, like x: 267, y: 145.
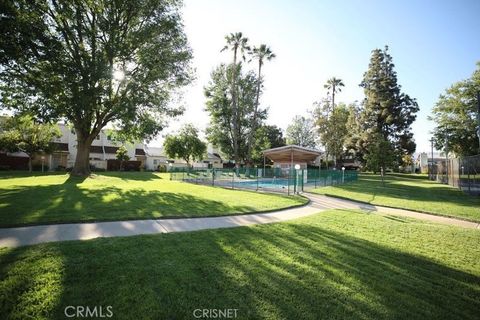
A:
x: 162, y: 168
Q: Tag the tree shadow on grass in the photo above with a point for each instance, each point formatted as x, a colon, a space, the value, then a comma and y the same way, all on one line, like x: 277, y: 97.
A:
x: 282, y: 271
x: 70, y: 203
x: 26, y: 174
x: 394, y: 188
x: 131, y: 175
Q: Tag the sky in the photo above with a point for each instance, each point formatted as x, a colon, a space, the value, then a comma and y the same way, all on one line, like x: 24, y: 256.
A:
x: 433, y: 45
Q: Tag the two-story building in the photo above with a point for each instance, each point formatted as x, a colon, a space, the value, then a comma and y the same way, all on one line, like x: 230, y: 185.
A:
x: 103, y: 149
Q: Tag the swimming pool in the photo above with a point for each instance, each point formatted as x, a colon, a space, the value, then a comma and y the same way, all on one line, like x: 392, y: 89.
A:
x: 262, y: 184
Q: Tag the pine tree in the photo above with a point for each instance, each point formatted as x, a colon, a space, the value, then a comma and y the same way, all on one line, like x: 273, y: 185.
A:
x: 386, y: 110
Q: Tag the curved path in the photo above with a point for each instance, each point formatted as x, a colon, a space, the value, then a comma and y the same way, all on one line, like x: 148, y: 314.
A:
x: 14, y: 237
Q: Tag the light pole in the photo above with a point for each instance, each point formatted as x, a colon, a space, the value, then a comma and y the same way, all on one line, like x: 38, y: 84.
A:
x: 343, y: 174
x: 431, y: 162
x: 446, y: 155
x: 297, y: 167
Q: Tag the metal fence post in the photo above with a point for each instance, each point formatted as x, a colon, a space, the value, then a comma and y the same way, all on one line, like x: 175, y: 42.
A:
x: 233, y: 178
x: 288, y: 182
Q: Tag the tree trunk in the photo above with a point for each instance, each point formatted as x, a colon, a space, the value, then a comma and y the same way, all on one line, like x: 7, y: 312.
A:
x: 333, y: 97
x: 235, y: 111
x: 82, y: 160
x: 29, y: 163
x: 255, y: 114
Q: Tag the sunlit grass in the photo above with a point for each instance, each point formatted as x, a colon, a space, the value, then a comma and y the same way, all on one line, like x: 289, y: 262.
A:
x: 412, y: 192
x: 337, y: 264
x: 53, y: 198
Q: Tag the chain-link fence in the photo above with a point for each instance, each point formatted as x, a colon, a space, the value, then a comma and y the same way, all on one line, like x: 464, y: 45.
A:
x: 463, y: 173
x: 288, y: 181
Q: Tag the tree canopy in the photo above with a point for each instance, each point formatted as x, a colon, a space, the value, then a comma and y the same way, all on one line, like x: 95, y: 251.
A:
x: 186, y: 145
x: 301, y: 132
x: 94, y: 63
x: 225, y: 126
x: 455, y: 115
x: 22, y: 133
x: 386, y: 110
x: 267, y: 136
x: 331, y: 124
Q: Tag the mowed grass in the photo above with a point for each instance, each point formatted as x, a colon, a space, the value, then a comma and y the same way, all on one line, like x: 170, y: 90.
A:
x: 413, y: 192
x: 57, y: 198
x: 333, y: 265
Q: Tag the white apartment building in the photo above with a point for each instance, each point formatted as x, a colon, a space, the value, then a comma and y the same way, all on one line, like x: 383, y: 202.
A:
x: 104, y: 148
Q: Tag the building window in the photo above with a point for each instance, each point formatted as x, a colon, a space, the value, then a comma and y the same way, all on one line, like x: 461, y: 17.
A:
x: 98, y: 137
x: 109, y: 138
x: 155, y: 162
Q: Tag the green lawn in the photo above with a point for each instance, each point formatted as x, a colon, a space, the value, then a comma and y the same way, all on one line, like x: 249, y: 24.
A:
x: 333, y: 265
x: 50, y: 198
x: 414, y: 192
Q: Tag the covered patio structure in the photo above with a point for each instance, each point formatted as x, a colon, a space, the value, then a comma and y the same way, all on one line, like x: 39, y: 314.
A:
x: 287, y: 157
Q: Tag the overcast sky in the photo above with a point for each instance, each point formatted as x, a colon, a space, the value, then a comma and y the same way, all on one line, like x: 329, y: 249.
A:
x: 433, y: 44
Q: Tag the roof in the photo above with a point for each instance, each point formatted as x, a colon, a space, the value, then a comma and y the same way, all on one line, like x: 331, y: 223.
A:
x: 213, y: 156
x: 154, y: 152
x: 100, y: 149
x: 291, y: 153
x: 139, y: 152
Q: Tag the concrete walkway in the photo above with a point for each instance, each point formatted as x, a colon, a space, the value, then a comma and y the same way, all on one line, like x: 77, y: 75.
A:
x: 14, y: 237
x: 336, y: 203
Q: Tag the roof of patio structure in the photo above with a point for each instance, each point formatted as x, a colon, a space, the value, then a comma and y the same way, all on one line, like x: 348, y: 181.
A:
x: 286, y: 153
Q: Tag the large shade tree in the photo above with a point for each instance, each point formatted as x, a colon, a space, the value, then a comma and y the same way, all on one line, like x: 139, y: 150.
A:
x: 94, y: 63
x: 455, y: 116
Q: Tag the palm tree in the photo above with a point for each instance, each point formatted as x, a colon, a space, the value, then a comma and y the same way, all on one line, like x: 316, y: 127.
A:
x: 334, y: 85
x: 261, y: 54
x: 237, y: 43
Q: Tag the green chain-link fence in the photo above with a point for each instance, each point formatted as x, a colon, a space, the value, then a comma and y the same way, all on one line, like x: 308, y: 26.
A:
x: 289, y: 181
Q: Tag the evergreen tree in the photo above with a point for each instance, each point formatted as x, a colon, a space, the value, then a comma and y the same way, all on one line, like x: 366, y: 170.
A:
x: 386, y: 110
